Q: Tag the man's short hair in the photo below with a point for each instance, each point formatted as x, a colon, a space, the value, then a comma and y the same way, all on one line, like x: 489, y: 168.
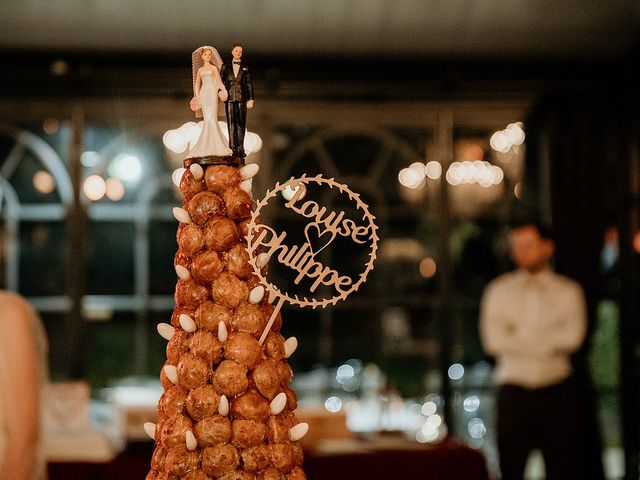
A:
x: 544, y: 229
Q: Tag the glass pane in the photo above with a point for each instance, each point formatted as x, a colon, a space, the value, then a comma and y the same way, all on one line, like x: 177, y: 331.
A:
x: 110, y: 262
x: 303, y: 324
x: 43, y: 258
x: 156, y: 344
x: 162, y: 249
x: 353, y: 155
x: 109, y: 349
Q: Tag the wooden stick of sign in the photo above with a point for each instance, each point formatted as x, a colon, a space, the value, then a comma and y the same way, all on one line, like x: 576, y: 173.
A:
x: 276, y: 311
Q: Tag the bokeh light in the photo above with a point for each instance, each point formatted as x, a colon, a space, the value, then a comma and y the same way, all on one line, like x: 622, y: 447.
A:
x: 418, y: 167
x: 433, y: 170
x: 50, y: 125
x: 410, y: 178
x: 176, y: 176
x: 94, y: 187
x: 126, y: 167
x: 428, y: 408
x: 59, y: 68
x: 476, y: 428
x: 515, y: 133
x: 636, y: 242
x: 346, y: 377
x: 434, y: 420
x: 90, y: 159
x: 175, y: 141
x: 344, y: 373
x: 355, y: 363
x: 479, y: 171
x: 252, y: 142
x: 115, y: 189
x: 456, y: 371
x: 333, y: 404
x: 428, y: 433
x: 500, y: 142
x: 517, y: 190
x: 452, y: 176
x: 288, y: 192
x: 44, y: 182
x: 508, y: 139
x: 428, y: 267
x: 471, y: 403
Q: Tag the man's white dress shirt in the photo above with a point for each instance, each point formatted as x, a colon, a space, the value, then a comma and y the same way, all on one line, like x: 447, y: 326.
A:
x: 531, y: 324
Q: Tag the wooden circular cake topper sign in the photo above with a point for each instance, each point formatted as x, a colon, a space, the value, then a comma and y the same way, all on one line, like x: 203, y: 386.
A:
x: 322, y: 228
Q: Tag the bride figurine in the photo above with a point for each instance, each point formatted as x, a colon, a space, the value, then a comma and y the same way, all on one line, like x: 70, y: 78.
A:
x: 207, y: 89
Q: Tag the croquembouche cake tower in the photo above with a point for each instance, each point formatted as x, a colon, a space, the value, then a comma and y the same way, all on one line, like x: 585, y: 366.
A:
x: 227, y: 411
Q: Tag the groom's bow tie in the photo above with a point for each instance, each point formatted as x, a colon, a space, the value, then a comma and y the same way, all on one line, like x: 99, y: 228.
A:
x: 236, y: 63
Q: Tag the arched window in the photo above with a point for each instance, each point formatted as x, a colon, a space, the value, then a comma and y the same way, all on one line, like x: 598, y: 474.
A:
x: 35, y: 193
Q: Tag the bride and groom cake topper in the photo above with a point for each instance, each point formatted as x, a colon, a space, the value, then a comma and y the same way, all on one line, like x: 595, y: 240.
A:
x: 214, y: 82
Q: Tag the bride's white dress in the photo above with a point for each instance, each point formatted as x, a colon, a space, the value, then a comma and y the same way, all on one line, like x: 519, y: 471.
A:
x: 211, y: 141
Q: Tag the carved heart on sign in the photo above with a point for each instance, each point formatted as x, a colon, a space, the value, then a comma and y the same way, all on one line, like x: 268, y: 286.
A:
x: 315, y: 235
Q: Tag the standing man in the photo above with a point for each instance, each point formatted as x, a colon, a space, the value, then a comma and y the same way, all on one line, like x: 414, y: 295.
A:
x: 237, y: 80
x: 531, y: 321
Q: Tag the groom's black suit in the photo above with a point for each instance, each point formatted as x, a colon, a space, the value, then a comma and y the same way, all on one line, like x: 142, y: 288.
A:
x: 240, y: 90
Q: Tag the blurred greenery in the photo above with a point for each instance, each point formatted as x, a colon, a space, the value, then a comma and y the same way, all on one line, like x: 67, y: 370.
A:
x: 604, y: 358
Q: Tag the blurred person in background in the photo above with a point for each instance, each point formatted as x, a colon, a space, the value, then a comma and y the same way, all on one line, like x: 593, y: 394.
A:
x: 23, y: 374
x: 532, y: 320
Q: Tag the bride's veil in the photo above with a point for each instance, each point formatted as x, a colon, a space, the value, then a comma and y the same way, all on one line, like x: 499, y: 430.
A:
x: 197, y: 62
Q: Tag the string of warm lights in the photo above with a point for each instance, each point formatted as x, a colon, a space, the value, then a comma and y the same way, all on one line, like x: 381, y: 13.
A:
x: 504, y: 140
x: 478, y: 172
x: 481, y: 172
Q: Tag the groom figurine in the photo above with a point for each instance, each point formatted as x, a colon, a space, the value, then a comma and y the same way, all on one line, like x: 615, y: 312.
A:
x: 237, y: 80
